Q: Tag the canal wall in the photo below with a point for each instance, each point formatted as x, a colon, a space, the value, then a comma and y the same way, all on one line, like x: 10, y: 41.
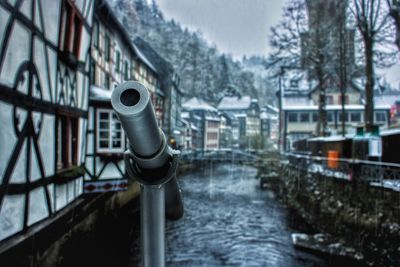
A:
x: 94, y: 230
x: 355, y: 213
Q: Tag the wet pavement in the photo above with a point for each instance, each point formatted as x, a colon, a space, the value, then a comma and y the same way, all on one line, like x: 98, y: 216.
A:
x: 229, y: 221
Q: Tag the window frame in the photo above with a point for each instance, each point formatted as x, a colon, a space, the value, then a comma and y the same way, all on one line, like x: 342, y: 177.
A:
x: 71, y: 28
x: 293, y: 114
x: 376, y: 113
x: 67, y: 141
x: 300, y: 119
x: 107, y: 47
x: 109, y: 149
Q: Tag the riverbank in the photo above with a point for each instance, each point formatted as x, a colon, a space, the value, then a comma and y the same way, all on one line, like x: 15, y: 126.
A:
x: 365, y: 218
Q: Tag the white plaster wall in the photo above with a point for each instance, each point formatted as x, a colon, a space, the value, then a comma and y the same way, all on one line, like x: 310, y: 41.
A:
x: 17, y: 52
x: 51, y: 10
x: 37, y: 206
x: 7, y: 136
x: 3, y: 22
x: 11, y: 215
x: 47, y: 144
x: 60, y: 196
x: 40, y: 63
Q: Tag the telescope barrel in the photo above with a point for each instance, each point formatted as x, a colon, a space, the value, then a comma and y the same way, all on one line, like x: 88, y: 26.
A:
x: 131, y: 101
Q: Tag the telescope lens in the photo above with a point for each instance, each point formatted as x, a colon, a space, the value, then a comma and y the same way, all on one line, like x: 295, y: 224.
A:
x: 130, y: 97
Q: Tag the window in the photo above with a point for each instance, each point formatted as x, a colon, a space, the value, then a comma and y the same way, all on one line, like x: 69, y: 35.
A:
x: 96, y: 34
x: 67, y: 142
x: 71, y: 29
x: 212, y: 124
x: 355, y: 117
x: 107, y: 48
x: 330, y: 117
x: 292, y: 117
x: 294, y: 84
x: 110, y: 137
x: 93, y: 73
x: 314, y: 117
x: 117, y: 61
x: 380, y: 116
x: 107, y: 81
x: 346, y: 117
x: 304, y: 117
x: 212, y: 136
x: 127, y: 76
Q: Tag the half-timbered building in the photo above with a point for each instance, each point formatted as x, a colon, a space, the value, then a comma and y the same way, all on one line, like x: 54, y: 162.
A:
x: 114, y: 59
x: 44, y: 89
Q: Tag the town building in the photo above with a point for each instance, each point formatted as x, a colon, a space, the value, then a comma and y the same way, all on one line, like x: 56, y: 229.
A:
x: 114, y: 59
x: 169, y: 84
x: 206, y: 119
x: 269, y: 116
x: 300, y: 108
x: 247, y: 130
x: 44, y: 91
x: 226, y: 130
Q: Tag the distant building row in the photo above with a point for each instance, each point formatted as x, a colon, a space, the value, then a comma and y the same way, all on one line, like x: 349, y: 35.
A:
x: 237, y: 122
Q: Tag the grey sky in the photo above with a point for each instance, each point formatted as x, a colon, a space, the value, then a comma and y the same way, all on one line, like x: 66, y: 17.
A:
x: 238, y: 27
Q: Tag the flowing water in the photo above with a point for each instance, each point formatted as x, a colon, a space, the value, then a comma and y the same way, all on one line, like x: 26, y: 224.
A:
x: 229, y: 221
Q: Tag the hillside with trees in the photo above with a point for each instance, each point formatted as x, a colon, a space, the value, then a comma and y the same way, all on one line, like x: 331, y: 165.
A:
x: 204, y: 71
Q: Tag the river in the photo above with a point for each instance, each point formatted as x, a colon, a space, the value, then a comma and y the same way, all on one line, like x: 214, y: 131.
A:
x: 229, y: 221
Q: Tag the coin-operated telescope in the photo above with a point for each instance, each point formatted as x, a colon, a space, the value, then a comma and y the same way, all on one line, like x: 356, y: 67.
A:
x: 151, y: 162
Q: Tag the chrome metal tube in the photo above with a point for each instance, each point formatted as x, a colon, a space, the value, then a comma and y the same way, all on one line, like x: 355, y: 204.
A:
x: 152, y: 221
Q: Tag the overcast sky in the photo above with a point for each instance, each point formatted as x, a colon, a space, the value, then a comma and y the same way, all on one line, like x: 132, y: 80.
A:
x: 238, y: 27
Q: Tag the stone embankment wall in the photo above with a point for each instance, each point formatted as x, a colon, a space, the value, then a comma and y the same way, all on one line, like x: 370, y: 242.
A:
x: 358, y: 215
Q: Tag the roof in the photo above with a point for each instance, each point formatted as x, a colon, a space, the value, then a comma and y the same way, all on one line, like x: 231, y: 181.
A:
x: 144, y: 59
x: 388, y: 132
x: 272, y: 108
x: 105, y: 12
x: 198, y: 104
x: 235, y: 103
x: 332, y: 138
x: 333, y: 107
x: 99, y: 94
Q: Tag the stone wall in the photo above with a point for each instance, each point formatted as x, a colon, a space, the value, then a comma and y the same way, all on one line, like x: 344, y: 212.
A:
x: 360, y: 216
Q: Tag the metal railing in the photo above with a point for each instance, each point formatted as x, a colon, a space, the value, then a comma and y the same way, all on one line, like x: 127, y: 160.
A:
x: 376, y: 173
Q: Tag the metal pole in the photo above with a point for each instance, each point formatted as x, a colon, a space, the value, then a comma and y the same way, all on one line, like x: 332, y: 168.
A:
x: 152, y: 221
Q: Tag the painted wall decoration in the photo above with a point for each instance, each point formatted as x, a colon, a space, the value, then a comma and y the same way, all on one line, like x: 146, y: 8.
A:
x: 44, y: 91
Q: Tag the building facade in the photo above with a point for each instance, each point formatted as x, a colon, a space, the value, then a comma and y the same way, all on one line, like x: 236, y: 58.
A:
x: 44, y: 90
x: 300, y: 109
x: 114, y: 59
x: 206, y: 119
x: 247, y: 130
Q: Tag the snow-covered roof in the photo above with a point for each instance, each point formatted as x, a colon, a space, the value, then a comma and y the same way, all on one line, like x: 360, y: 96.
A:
x: 332, y: 107
x: 241, y: 115
x: 332, y: 138
x: 264, y: 115
x: 275, y: 109
x: 99, y: 94
x: 185, y: 115
x: 296, y: 79
x: 198, y: 104
x: 390, y: 132
x: 144, y: 58
x: 212, y: 118
x: 234, y: 103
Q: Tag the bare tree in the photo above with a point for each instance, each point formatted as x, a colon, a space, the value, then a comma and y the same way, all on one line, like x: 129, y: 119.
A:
x: 371, y: 18
x: 304, y: 40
